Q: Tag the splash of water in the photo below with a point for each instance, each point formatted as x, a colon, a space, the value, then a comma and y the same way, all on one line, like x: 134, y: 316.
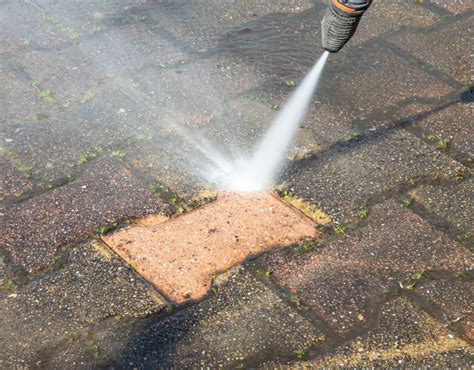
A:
x: 257, y: 172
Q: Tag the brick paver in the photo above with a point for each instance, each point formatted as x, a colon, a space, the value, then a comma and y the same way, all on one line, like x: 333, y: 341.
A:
x: 105, y: 194
x: 342, y: 280
x: 180, y: 257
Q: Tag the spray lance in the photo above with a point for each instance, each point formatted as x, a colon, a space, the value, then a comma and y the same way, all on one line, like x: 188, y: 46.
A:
x: 340, y: 22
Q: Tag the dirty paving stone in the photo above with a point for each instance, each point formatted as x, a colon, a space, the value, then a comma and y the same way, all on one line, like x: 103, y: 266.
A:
x: 55, y: 147
x: 404, y: 336
x: 23, y: 28
x: 450, y: 202
x: 437, y: 49
x: 106, y: 193
x: 454, y: 298
x: 343, y: 279
x: 91, y: 285
x: 243, y: 319
x: 453, y: 123
x: 198, y: 26
x: 341, y: 181
x: 456, y: 7
x: 12, y: 181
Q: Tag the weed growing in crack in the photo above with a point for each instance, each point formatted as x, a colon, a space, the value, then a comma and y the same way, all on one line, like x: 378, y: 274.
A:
x: 300, y: 353
x: 363, y: 212
x: 459, y: 179
x: 95, y: 349
x: 117, y: 154
x: 442, y: 145
x: 339, y: 230
x: 431, y: 138
x: 407, y: 201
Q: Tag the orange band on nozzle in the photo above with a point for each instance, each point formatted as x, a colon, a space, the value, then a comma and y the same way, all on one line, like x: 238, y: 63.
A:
x: 343, y: 7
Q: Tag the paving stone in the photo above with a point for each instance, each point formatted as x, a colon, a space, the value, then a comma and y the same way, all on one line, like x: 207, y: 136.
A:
x: 453, y: 203
x: 106, y: 193
x: 456, y: 7
x: 244, y: 320
x: 382, y: 18
x: 12, y: 182
x: 454, y: 298
x: 23, y: 28
x: 404, y: 336
x: 54, y: 147
x: 68, y: 74
x: 199, y: 26
x: 435, y: 48
x: 453, y: 123
x: 374, y: 77
x: 91, y: 286
x: 181, y: 256
x: 20, y: 100
x: 339, y: 182
x: 342, y: 280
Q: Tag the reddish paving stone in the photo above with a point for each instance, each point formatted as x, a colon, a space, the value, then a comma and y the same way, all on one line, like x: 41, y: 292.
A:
x: 454, y: 298
x: 436, y: 48
x: 404, y: 336
x: 339, y: 280
x: 453, y: 202
x: 12, y: 182
x: 106, y: 193
x: 180, y: 257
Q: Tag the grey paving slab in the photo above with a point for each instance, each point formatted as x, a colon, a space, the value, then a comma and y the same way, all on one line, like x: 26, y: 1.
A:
x: 12, y: 181
x: 199, y: 26
x: 20, y: 100
x: 386, y: 17
x: 343, y: 279
x: 404, y: 336
x: 242, y: 321
x: 453, y: 203
x: 455, y: 7
x: 23, y: 28
x: 339, y: 182
x: 105, y: 194
x: 453, y: 123
x: 436, y: 48
x: 55, y: 146
x: 92, y: 285
x: 454, y: 298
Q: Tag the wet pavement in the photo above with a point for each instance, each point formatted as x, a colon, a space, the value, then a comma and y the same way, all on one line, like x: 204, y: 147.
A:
x: 107, y: 113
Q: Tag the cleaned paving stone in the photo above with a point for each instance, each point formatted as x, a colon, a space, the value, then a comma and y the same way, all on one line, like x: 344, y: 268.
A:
x: 12, y: 182
x: 343, y: 279
x: 453, y: 203
x: 180, y: 257
x: 435, y: 48
x: 404, y: 336
x: 242, y: 324
x: 339, y: 182
x: 454, y: 298
x: 105, y: 194
x: 91, y: 285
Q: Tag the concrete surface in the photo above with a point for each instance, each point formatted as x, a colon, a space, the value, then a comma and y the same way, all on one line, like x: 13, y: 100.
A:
x: 101, y: 106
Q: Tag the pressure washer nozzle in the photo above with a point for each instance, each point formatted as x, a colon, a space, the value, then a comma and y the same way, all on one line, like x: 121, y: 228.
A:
x: 340, y: 22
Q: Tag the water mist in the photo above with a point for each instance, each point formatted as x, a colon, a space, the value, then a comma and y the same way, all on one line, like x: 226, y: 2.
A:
x: 257, y: 172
